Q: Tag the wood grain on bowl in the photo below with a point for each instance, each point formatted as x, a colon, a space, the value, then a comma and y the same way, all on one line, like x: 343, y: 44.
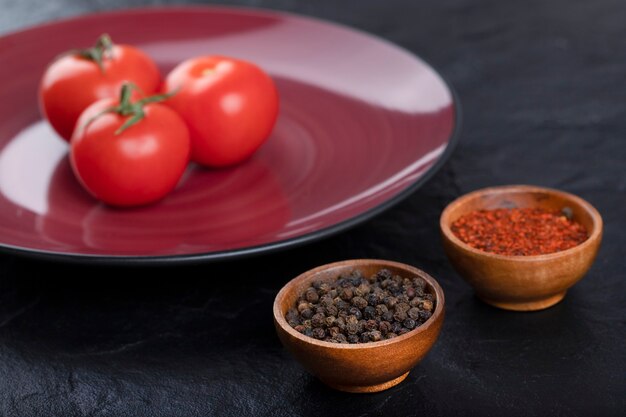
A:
x: 521, y: 283
x: 364, y: 367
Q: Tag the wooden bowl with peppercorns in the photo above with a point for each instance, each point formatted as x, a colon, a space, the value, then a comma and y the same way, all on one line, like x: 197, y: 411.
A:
x: 521, y: 247
x: 360, y: 325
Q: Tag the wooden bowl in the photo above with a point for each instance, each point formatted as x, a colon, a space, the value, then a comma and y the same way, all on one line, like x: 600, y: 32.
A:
x: 521, y: 283
x: 366, y: 367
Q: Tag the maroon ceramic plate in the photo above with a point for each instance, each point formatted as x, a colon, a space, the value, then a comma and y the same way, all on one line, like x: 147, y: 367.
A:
x: 362, y: 124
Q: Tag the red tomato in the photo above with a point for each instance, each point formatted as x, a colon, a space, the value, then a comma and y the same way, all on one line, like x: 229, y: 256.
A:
x: 230, y: 107
x: 75, y: 80
x: 138, y: 166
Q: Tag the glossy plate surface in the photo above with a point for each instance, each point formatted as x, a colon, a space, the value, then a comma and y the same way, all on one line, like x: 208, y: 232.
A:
x: 362, y: 124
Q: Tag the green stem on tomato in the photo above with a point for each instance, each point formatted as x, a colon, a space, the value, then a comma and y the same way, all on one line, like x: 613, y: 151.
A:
x: 99, y: 52
x: 133, y: 111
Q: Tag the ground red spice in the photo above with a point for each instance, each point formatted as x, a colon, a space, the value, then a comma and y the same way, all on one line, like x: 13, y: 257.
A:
x: 519, y: 231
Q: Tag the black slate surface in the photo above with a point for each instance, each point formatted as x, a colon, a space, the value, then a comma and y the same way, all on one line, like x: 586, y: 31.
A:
x: 542, y: 87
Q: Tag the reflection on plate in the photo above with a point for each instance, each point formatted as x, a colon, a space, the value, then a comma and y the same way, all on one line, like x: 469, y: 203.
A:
x: 362, y: 124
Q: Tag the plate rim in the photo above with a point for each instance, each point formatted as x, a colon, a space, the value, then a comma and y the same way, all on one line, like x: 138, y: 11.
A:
x: 266, y: 248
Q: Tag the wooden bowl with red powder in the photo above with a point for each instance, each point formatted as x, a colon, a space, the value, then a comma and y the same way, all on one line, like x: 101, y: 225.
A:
x: 521, y: 247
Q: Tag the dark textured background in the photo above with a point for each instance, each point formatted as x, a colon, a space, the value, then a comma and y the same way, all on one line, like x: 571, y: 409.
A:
x: 542, y: 85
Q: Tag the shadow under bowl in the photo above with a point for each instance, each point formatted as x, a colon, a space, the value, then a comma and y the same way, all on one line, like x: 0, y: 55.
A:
x: 521, y: 283
x: 364, y: 367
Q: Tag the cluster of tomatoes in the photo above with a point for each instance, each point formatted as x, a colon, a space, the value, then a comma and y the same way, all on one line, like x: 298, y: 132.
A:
x: 131, y: 135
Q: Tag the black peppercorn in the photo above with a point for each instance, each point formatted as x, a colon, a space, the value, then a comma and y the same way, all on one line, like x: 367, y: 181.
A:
x: 415, y: 302
x: 384, y: 274
x: 409, y: 324
x: 403, y: 299
x: 311, y: 295
x: 403, y: 307
x: 356, y: 277
x: 341, y: 304
x: 419, y: 282
x: 359, y: 302
x: 400, y: 315
x: 372, y: 299
x: 424, y: 315
x: 355, y: 312
x: 390, y: 302
x: 340, y: 338
x: 384, y: 327
x: 410, y: 292
x: 326, y: 300
x: 388, y: 316
x: 369, y: 312
x: 324, y: 288
x: 346, y: 294
x: 396, y: 327
x: 375, y: 336
x: 331, y: 310
x: 363, y: 289
x: 371, y: 325
x: 318, y: 320
x: 381, y: 309
x: 361, y: 326
x: 341, y: 323
x: 413, y: 313
x: 319, y: 333
x: 351, y: 328
x: 395, y: 288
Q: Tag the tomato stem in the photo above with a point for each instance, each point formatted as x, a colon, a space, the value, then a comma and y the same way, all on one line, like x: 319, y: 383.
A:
x: 132, y: 110
x: 98, y: 53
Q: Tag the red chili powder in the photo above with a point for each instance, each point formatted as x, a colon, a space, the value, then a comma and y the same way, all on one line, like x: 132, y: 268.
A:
x: 519, y: 231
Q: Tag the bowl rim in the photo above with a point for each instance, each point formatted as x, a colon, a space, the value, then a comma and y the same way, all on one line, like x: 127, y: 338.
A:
x: 307, y: 275
x: 596, y: 232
